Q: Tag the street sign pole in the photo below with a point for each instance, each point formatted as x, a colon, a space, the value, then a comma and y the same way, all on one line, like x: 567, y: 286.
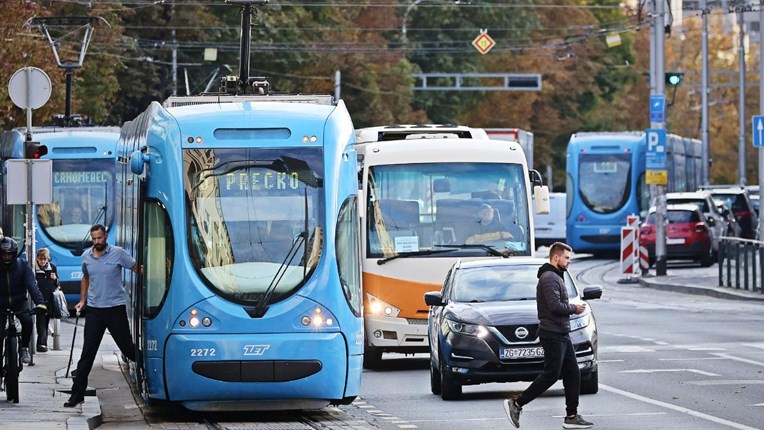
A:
x: 658, y: 192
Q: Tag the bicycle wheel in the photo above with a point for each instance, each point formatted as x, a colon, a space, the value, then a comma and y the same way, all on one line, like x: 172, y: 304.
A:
x: 12, y: 368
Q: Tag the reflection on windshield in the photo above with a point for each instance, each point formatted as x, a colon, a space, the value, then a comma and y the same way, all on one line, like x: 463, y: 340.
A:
x: 80, y: 192
x: 414, y: 208
x: 604, y: 181
x: 247, y: 208
x: 500, y: 283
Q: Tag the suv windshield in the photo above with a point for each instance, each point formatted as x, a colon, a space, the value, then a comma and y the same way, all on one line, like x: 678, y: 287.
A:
x: 500, y: 283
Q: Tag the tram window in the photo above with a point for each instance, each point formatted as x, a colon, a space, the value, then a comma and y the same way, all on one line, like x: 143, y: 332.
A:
x: 347, y: 249
x: 158, y: 258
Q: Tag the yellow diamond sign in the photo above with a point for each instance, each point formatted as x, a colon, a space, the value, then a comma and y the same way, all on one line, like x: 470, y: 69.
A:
x: 483, y: 43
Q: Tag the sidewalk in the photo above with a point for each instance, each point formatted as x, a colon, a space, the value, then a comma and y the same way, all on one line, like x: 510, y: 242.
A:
x: 696, y: 280
x: 43, y: 389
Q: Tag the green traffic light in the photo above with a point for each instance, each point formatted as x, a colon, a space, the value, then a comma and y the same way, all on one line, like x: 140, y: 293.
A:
x: 674, y: 79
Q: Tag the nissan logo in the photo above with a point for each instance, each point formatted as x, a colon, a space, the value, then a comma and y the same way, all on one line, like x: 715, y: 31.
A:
x: 521, y: 332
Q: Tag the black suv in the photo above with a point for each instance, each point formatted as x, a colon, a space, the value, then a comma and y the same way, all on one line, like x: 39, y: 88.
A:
x: 482, y: 327
x: 738, y: 200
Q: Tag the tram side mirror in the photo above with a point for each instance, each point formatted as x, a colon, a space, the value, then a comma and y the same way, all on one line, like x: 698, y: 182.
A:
x: 138, y: 159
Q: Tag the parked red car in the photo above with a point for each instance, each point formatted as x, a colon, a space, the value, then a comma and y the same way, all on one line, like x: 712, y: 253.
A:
x: 688, y: 235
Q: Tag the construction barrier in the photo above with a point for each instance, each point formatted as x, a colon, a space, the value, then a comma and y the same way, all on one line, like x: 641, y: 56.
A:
x: 628, y: 251
x: 644, y: 262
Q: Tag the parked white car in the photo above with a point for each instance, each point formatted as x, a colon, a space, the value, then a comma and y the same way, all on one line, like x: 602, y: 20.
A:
x: 551, y: 228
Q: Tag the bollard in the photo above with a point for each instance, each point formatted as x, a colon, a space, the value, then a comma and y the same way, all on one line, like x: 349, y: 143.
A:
x: 56, y: 334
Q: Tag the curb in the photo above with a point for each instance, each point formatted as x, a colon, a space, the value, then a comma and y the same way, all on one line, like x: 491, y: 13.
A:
x: 711, y: 292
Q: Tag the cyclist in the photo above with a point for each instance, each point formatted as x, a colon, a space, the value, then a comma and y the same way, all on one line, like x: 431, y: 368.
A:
x: 16, y: 280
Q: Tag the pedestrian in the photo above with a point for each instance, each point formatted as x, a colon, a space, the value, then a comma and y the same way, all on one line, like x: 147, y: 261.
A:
x: 102, y: 294
x: 16, y: 280
x: 46, y: 275
x: 553, y: 310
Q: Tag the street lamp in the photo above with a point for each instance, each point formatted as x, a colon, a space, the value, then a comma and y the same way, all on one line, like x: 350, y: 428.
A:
x: 406, y: 17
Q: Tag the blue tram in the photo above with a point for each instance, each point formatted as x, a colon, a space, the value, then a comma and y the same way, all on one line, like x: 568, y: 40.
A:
x: 606, y: 182
x: 83, y: 167
x: 244, y: 217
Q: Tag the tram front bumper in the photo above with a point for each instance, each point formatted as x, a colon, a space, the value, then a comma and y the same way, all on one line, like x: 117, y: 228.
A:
x: 251, y: 367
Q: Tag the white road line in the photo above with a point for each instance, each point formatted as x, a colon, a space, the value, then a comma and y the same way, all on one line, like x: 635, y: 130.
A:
x: 727, y: 382
x: 681, y: 409
x: 700, y: 372
x: 690, y: 359
x: 610, y: 361
x: 733, y: 357
x: 754, y: 345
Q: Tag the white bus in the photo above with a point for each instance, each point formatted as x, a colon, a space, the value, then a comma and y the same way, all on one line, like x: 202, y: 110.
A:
x: 434, y: 193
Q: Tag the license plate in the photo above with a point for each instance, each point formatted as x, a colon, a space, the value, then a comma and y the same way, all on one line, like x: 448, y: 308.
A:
x: 516, y: 353
x: 675, y: 241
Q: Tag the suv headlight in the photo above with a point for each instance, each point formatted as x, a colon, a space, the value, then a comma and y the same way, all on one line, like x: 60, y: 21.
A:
x: 467, y: 329
x: 581, y: 322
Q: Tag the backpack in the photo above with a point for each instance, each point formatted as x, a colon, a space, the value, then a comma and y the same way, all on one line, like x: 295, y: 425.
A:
x: 60, y: 306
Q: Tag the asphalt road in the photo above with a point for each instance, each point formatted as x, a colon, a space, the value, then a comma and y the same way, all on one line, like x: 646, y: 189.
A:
x: 667, y: 361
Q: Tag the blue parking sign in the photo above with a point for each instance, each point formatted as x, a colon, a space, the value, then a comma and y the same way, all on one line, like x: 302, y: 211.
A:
x: 656, y: 153
x: 757, y: 130
x: 656, y: 108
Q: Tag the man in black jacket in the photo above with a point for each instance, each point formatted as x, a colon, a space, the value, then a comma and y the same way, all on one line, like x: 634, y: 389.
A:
x: 16, y: 280
x: 553, y: 311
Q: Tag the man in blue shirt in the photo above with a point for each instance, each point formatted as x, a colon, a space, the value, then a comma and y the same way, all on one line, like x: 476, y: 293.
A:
x: 101, y: 289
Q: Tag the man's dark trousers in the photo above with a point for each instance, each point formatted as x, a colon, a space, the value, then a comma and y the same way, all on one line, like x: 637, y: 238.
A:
x: 97, y: 321
x: 560, y: 361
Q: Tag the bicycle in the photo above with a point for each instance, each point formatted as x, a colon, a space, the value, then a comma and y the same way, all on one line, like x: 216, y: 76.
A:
x: 12, y: 364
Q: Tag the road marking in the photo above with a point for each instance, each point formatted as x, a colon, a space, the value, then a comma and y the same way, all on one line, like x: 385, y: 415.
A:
x: 700, y: 372
x: 727, y: 382
x: 681, y: 409
x: 691, y: 358
x: 627, y: 348
x: 754, y: 345
x: 610, y: 361
x: 733, y: 357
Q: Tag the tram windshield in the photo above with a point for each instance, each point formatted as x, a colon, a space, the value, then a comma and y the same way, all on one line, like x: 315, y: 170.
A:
x: 604, y: 181
x: 255, y: 219
x: 425, y: 209
x: 83, y: 195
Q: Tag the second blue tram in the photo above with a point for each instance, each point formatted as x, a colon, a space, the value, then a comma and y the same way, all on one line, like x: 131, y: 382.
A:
x: 83, y: 169
x: 606, y: 182
x: 244, y: 218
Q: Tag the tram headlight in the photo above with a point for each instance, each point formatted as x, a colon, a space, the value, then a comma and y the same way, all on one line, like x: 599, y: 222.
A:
x: 317, y: 318
x: 380, y: 307
x: 194, y: 322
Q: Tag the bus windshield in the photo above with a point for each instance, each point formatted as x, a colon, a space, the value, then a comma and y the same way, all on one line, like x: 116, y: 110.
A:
x: 416, y: 208
x: 83, y: 195
x: 604, y: 181
x: 254, y: 219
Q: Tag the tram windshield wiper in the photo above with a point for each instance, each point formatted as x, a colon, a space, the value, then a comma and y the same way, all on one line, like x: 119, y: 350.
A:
x: 490, y: 249
x: 412, y: 254
x: 101, y: 212
x: 302, y: 239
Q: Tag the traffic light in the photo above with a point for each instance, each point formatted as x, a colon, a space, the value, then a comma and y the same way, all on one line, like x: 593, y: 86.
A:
x: 673, y: 79
x: 34, y: 150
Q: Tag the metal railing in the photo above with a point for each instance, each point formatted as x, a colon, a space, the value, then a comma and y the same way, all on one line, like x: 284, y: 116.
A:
x: 741, y: 264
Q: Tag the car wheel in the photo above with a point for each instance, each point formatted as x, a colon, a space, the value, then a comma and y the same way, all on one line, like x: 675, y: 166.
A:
x: 372, y: 357
x: 589, y: 385
x: 435, y: 378
x: 450, y: 389
x: 707, y: 259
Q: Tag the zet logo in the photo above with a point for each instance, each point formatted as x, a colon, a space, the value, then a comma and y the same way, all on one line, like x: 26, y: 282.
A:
x: 255, y: 349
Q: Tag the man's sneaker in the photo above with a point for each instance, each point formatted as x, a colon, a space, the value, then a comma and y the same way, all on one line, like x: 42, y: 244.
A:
x: 25, y: 357
x: 513, y: 412
x: 577, y: 422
